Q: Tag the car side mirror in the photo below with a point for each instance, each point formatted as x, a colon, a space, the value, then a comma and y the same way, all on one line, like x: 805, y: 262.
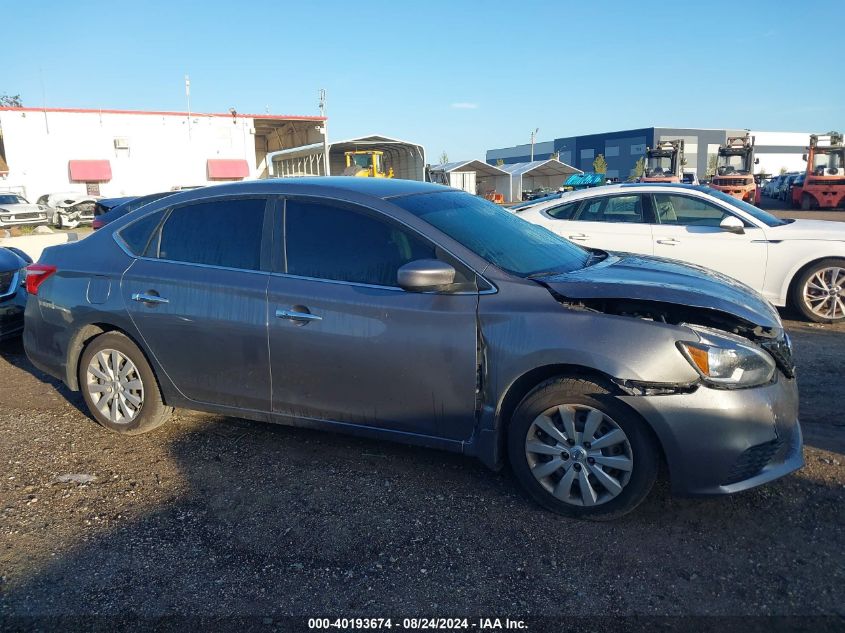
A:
x: 732, y: 224
x: 756, y: 161
x: 425, y: 275
x: 804, y: 157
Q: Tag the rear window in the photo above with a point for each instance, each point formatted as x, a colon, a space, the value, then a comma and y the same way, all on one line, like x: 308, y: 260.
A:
x: 137, y: 235
x: 223, y: 233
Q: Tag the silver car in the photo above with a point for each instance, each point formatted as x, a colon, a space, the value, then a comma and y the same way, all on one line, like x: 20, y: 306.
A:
x: 407, y: 311
x: 15, y: 210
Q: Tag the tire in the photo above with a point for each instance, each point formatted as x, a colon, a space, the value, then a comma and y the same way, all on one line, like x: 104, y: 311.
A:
x: 139, y: 407
x: 807, y: 284
x: 806, y: 202
x: 583, y: 402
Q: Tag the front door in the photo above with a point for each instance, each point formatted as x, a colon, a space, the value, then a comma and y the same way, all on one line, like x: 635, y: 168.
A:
x: 688, y: 230
x: 198, y: 297
x: 348, y: 345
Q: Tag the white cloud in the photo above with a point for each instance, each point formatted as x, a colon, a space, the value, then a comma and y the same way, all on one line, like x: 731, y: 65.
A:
x: 463, y: 105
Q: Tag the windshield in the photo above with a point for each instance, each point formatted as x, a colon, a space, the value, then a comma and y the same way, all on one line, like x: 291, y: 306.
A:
x: 496, y: 235
x: 758, y: 214
x: 659, y: 166
x: 12, y: 199
x: 727, y: 165
x: 829, y: 163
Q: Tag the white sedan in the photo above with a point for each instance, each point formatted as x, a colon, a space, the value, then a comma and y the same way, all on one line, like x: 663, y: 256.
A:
x: 801, y: 262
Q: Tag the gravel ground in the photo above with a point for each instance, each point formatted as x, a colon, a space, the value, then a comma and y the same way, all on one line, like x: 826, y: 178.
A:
x: 221, y: 516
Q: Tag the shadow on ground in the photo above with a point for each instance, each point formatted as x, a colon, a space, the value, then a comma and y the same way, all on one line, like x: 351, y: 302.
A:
x: 275, y: 520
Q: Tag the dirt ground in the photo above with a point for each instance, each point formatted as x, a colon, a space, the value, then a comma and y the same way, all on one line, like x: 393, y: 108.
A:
x: 221, y: 516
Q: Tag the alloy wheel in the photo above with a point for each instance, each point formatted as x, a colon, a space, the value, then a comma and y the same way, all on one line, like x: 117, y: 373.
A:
x: 579, y: 454
x: 115, y: 386
x: 824, y: 293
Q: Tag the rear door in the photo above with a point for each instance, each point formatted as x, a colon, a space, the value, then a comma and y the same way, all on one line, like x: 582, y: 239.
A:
x: 348, y: 345
x: 611, y: 222
x: 688, y: 230
x: 198, y: 297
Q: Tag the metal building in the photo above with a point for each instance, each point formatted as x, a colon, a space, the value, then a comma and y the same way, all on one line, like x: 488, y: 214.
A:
x: 474, y: 176
x: 406, y: 159
x: 622, y: 149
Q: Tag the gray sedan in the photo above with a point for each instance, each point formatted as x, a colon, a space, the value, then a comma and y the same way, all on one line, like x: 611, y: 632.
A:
x: 411, y: 312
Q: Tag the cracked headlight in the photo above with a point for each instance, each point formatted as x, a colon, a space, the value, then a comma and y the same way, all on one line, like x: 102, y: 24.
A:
x: 727, y: 361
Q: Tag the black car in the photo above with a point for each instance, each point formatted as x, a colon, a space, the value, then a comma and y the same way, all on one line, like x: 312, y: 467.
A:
x: 539, y: 192
x: 107, y: 204
x: 118, y: 211
x: 12, y: 292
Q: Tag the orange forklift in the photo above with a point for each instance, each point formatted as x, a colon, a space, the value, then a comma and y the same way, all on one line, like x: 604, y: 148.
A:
x: 735, y: 169
x: 663, y: 163
x: 824, y: 182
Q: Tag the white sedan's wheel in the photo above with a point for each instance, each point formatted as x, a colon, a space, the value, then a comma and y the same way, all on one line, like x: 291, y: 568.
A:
x: 819, y: 292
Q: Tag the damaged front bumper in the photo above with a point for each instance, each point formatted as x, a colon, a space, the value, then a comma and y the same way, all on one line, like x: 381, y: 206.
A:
x: 71, y: 216
x: 720, y: 441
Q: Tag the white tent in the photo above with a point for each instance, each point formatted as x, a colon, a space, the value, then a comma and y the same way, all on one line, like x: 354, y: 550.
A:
x: 407, y: 159
x: 474, y: 176
x: 539, y: 173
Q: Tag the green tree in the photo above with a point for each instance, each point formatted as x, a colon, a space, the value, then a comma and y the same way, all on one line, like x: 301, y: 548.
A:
x: 10, y: 101
x: 638, y: 170
x: 500, y: 162
x: 555, y: 156
x: 783, y: 171
x: 600, y: 164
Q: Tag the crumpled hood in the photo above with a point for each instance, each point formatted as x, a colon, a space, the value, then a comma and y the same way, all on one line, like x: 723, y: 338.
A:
x: 808, y: 230
x: 624, y: 276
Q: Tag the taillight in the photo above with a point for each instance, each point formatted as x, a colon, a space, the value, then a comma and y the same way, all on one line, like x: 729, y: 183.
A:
x: 36, y: 274
x: 97, y: 223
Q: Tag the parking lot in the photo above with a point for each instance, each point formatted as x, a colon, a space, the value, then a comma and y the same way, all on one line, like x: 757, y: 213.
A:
x: 222, y: 516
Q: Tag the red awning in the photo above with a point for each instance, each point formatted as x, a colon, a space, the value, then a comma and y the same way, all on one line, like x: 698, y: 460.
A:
x: 89, y: 170
x: 227, y: 168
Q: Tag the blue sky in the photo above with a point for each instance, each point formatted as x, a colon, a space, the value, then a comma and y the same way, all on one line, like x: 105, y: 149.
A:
x: 459, y: 76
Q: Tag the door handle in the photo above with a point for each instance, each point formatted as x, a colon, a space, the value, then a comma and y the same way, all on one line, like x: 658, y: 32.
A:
x: 144, y: 297
x: 300, y: 317
x: 580, y: 237
x: 669, y: 242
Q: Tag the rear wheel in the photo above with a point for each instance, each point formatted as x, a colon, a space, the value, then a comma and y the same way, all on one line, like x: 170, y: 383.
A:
x: 806, y: 202
x: 819, y: 291
x: 580, y: 452
x: 119, y: 387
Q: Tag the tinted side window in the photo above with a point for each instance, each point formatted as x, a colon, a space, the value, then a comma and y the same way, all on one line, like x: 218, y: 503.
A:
x: 327, y: 242
x: 220, y: 233
x: 563, y: 212
x: 686, y: 211
x: 627, y: 209
x: 137, y: 235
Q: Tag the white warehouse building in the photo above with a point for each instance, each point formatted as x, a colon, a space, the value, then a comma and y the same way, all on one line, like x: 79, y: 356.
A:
x: 124, y: 152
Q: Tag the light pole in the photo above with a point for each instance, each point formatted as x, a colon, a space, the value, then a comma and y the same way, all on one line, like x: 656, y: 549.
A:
x: 325, y: 131
x: 533, y: 136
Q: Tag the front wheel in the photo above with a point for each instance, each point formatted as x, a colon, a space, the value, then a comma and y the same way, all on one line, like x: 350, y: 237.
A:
x: 578, y: 451
x: 819, y: 291
x: 119, y: 387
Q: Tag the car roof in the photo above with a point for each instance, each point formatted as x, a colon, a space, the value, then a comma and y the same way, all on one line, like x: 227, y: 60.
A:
x: 629, y: 187
x: 375, y: 187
